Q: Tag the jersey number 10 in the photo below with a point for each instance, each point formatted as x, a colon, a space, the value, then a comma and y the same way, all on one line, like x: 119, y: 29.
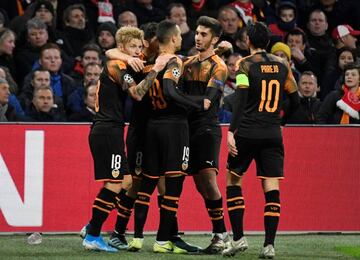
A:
x: 270, y: 92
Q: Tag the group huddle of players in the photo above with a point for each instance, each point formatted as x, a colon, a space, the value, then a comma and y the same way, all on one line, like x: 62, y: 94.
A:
x: 174, y: 132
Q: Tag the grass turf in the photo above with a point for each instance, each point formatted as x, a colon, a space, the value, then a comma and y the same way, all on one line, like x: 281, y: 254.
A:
x: 287, y: 247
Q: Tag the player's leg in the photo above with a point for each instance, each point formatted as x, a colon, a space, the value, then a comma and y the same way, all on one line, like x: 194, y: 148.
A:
x: 236, y: 209
x: 237, y: 166
x: 168, y: 211
x: 204, y: 157
x: 270, y: 165
x: 125, y: 204
x: 110, y: 166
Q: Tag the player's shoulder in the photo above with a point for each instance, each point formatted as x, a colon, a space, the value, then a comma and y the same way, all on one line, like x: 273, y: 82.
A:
x: 218, y: 60
x: 175, y: 60
x: 116, y: 63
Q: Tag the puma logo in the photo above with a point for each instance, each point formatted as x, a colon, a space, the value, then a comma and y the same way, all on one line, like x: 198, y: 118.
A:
x: 210, y: 162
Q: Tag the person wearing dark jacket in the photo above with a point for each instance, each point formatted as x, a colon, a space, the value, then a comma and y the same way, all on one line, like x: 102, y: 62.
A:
x: 342, y: 106
x: 309, y: 103
x: 42, y: 108
x: 88, y: 112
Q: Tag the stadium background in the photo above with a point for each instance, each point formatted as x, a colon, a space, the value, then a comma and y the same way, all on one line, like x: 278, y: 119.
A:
x: 320, y: 192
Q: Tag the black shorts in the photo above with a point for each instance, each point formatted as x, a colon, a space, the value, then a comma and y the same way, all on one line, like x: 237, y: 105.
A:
x: 268, y: 155
x: 167, y: 148
x: 108, y: 152
x: 204, y: 149
x: 135, y: 144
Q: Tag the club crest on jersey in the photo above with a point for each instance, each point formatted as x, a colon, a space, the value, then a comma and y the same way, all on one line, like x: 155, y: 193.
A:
x: 115, y: 173
x: 185, y: 165
x: 138, y: 170
x: 176, y: 72
x: 128, y: 78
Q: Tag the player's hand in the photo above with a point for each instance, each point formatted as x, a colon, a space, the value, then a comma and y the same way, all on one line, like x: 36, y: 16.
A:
x: 224, y: 46
x: 231, y: 144
x: 136, y: 64
x: 161, y: 61
x: 207, y: 104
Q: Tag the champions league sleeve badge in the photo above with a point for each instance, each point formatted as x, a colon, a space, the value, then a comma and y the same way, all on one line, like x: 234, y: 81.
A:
x: 176, y: 72
x: 128, y: 79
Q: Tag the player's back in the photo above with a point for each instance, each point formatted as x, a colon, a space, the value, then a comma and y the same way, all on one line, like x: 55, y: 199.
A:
x: 110, y: 96
x: 268, y: 78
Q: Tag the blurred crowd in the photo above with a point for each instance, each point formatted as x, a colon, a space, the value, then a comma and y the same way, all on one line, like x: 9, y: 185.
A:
x: 52, y: 52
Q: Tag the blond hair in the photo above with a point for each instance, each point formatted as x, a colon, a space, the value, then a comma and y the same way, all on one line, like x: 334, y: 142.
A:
x: 126, y: 34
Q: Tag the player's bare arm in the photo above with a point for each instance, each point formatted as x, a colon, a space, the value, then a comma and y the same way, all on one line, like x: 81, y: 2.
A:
x: 138, y: 92
x: 135, y: 63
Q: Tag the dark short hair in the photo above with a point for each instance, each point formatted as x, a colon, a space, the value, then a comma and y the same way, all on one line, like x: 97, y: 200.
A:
x: 171, y: 6
x: 212, y: 23
x: 70, y: 8
x: 91, y: 47
x: 352, y: 66
x: 308, y: 73
x: 296, y: 31
x: 165, y: 30
x: 259, y: 34
x: 149, y: 30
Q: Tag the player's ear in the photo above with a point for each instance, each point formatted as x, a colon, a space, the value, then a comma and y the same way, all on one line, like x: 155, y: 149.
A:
x: 146, y: 44
x: 214, y: 40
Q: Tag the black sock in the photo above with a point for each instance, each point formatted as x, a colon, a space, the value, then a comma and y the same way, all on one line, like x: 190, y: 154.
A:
x: 169, y: 207
x: 159, y: 200
x: 124, y: 205
x: 102, y: 206
x: 271, y: 215
x: 216, y: 214
x: 236, y: 208
x: 142, y: 203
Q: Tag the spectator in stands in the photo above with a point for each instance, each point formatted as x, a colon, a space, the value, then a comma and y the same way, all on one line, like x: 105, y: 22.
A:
x: 44, y: 10
x: 76, y: 100
x: 309, y: 104
x: 127, y: 18
x: 7, y: 112
x: 334, y: 11
x: 91, y: 53
x: 242, y: 43
x: 50, y: 59
x: 229, y: 20
x: 76, y: 31
x: 5, y: 74
x: 229, y: 88
x: 40, y: 79
x: 13, y: 100
x: 42, y: 109
x: 176, y: 12
x: 300, y: 55
x: 36, y: 35
x: 286, y: 14
x: 146, y: 12
x: 283, y: 50
x: 342, y: 106
x: 324, y: 53
x: 86, y: 114
x: 230, y: 83
x: 248, y: 11
x: 105, y: 36
x: 7, y: 46
x: 345, y: 35
x: 333, y: 79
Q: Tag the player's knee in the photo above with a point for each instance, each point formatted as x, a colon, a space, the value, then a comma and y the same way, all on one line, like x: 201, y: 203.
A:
x: 232, y: 179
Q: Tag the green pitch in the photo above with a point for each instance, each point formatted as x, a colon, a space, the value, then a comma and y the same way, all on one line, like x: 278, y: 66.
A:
x: 287, y: 247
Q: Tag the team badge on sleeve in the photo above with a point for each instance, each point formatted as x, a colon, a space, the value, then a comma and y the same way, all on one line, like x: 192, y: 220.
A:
x: 176, y: 72
x: 128, y: 78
